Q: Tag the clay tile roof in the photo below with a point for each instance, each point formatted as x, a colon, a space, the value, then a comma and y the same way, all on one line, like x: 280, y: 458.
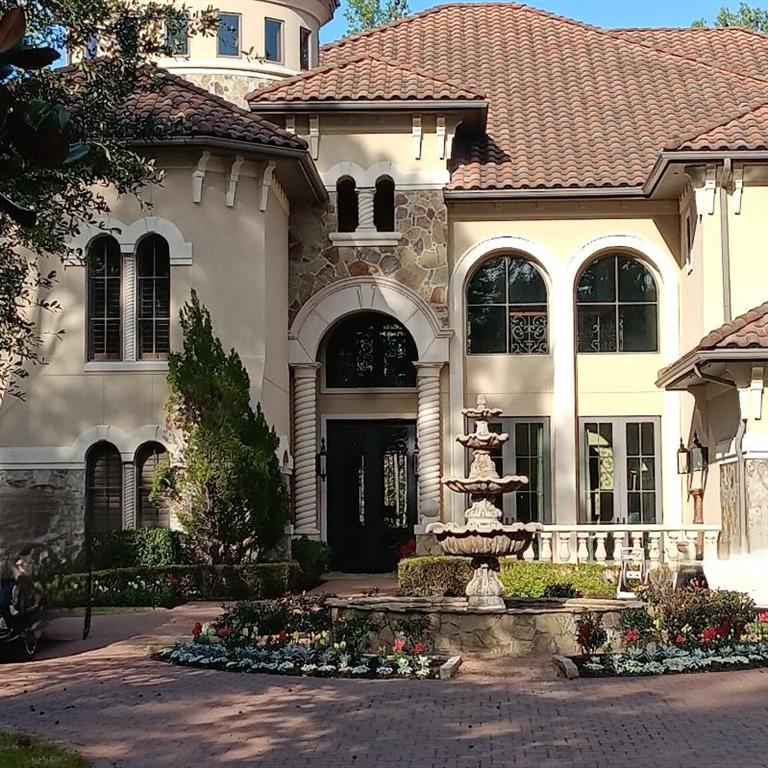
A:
x: 748, y: 131
x: 194, y: 112
x: 747, y: 331
x: 364, y: 77
x: 570, y: 105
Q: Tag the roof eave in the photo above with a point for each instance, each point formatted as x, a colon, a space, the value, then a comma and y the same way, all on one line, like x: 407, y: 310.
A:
x: 549, y: 193
x: 368, y: 105
x: 675, y: 376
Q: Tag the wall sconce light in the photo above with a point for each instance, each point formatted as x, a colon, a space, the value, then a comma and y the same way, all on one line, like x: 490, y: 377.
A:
x: 699, y: 456
x: 416, y: 462
x: 321, y: 460
x: 683, y: 459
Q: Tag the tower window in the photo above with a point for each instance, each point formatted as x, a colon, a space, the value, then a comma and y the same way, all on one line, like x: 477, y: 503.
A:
x: 305, y: 38
x: 273, y: 40
x: 384, y: 205
x: 104, y: 263
x: 178, y: 36
x: 346, y: 204
x: 229, y: 34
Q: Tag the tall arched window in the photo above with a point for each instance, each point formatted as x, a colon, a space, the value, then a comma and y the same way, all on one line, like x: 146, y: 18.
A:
x: 617, y: 306
x: 346, y: 205
x: 104, y: 487
x: 370, y: 349
x: 507, y: 308
x: 384, y: 205
x: 154, y: 297
x: 104, y: 323
x: 148, y: 514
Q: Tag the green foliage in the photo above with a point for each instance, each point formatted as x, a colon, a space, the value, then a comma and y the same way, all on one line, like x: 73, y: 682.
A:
x: 366, y: 14
x: 355, y: 630
x: 745, y: 15
x: 137, y: 548
x: 312, y: 557
x: 590, y: 633
x: 167, y: 586
x: 226, y: 478
x: 20, y: 751
x: 64, y: 138
x: 434, y: 576
x: 532, y: 579
x: 558, y: 590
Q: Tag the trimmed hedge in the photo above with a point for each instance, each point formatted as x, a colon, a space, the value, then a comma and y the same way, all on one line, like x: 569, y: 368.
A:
x: 434, y: 576
x: 136, y: 548
x: 313, y: 558
x: 442, y: 576
x: 166, y: 586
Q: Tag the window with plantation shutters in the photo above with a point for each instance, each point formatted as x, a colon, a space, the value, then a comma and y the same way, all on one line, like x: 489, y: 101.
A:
x: 104, y: 487
x: 104, y: 321
x: 153, y: 298
x: 150, y: 514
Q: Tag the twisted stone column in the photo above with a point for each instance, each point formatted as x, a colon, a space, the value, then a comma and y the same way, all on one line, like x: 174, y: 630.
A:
x: 365, y: 209
x: 305, y: 447
x: 428, y: 429
x: 129, y: 495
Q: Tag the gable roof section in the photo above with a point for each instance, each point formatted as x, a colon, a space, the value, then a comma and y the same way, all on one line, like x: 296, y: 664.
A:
x: 748, y: 131
x: 570, y: 105
x: 363, y: 77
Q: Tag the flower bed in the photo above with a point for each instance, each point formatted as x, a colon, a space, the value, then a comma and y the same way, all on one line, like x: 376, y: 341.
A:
x: 296, y: 636
x: 677, y: 631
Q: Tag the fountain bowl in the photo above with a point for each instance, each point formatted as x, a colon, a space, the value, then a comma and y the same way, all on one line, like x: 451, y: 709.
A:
x: 484, y: 539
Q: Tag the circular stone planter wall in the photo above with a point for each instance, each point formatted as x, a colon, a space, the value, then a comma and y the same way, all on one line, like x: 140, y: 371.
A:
x: 525, y: 628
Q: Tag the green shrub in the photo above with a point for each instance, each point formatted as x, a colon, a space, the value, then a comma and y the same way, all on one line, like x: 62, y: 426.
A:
x: 313, y: 559
x: 166, y: 586
x: 434, y: 576
x: 136, y: 548
x: 522, y: 578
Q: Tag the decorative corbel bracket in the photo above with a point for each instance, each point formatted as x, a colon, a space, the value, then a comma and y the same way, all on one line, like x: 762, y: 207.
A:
x: 705, y: 195
x: 416, y: 135
x: 198, y: 176
x: 234, y: 176
x: 441, y: 138
x: 290, y: 124
x: 738, y: 187
x: 756, y: 387
x: 266, y: 184
x: 314, y: 136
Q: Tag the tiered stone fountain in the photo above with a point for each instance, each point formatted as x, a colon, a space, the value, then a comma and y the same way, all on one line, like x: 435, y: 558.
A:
x: 483, y: 536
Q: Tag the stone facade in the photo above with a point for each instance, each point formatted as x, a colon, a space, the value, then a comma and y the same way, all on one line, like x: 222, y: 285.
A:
x: 42, y: 509
x: 233, y: 88
x: 729, y: 542
x: 756, y: 476
x: 419, y: 261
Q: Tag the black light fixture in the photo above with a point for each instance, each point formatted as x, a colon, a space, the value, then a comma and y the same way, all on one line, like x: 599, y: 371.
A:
x: 683, y: 459
x: 699, y: 456
x: 321, y: 461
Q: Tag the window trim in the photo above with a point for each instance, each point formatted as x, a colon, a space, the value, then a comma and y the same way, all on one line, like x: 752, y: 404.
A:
x: 138, y: 255
x: 619, y: 424
x: 90, y: 356
x: 616, y: 304
x: 280, y: 40
x: 305, y: 35
x: 239, y: 54
x: 542, y: 274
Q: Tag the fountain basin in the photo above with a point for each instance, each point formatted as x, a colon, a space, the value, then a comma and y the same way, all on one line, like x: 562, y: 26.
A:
x: 485, y: 486
x: 484, y: 540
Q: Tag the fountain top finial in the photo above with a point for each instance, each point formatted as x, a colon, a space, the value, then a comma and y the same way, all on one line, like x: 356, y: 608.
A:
x: 481, y: 411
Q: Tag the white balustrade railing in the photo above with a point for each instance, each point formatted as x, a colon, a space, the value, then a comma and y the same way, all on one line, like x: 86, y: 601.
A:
x: 602, y: 543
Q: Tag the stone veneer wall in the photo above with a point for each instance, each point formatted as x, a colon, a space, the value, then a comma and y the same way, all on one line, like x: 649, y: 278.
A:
x: 419, y: 261
x: 42, y: 509
x: 233, y: 88
x: 756, y: 476
x: 728, y: 543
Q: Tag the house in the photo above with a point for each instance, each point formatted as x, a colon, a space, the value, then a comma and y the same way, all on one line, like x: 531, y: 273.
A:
x: 478, y: 199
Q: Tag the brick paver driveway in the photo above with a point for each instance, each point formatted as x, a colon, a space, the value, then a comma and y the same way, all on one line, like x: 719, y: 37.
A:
x: 125, y: 710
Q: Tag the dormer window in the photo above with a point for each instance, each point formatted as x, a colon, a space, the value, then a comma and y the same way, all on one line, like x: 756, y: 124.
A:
x: 305, y: 40
x: 273, y: 40
x: 228, y: 37
x: 346, y: 204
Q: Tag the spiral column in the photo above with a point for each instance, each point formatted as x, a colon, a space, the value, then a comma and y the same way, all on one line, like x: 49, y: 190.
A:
x: 365, y: 208
x: 305, y: 448
x: 428, y: 430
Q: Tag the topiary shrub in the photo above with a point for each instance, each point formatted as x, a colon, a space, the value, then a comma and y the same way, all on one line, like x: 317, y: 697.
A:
x: 313, y: 558
x: 522, y: 578
x: 434, y: 576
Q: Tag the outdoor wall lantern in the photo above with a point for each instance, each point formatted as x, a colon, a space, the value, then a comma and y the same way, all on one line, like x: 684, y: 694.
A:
x: 321, y: 460
x: 694, y: 462
x: 683, y: 459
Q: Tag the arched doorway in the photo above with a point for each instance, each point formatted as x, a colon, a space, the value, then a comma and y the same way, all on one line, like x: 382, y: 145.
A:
x: 367, y: 362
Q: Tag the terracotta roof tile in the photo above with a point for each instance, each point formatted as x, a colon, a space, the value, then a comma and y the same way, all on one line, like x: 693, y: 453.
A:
x: 746, y: 331
x: 362, y: 77
x: 570, y: 105
x: 194, y: 112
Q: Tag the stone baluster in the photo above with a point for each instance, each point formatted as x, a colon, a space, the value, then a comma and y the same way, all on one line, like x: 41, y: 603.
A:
x: 710, y: 545
x: 428, y: 430
x: 545, y: 551
x: 564, y: 547
x: 305, y: 448
x: 601, y: 551
x: 582, y: 550
x: 654, y: 551
x: 672, y: 551
x: 691, y: 537
x: 365, y: 209
x: 530, y: 552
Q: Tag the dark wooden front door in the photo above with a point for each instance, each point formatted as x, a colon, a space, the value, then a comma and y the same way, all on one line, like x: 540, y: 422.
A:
x: 371, y: 493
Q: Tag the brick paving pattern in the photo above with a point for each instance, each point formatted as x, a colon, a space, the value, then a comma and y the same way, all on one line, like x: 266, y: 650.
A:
x: 125, y: 710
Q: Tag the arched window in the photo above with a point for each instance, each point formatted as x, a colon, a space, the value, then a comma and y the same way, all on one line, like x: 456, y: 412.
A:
x: 104, y: 262
x: 149, y: 515
x: 346, y: 205
x: 104, y: 487
x: 384, y: 205
x: 154, y: 297
x: 507, y: 308
x: 369, y: 349
x: 617, y: 306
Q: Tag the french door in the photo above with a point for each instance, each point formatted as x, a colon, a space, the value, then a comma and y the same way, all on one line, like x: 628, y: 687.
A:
x: 620, y: 470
